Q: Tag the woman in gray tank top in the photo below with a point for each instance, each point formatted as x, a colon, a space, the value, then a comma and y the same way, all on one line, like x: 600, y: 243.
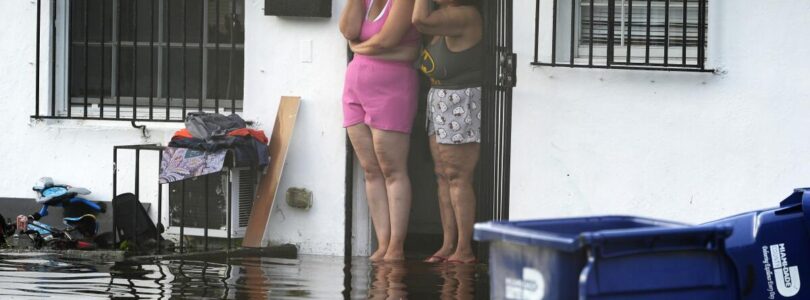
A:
x: 453, y: 60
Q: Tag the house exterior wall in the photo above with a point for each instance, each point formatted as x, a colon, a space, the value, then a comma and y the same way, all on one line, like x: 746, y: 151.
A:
x: 688, y: 147
x: 682, y: 146
x: 81, y: 152
x: 276, y: 51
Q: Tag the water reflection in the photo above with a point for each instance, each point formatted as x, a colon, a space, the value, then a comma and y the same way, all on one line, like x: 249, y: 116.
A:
x: 417, y: 280
x: 219, y: 277
x: 389, y: 281
x: 459, y: 281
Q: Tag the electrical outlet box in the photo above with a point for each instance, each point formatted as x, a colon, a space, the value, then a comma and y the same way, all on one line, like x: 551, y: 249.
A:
x: 298, y: 8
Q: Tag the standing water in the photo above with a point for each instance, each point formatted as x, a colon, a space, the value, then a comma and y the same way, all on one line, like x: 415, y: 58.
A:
x: 45, y: 275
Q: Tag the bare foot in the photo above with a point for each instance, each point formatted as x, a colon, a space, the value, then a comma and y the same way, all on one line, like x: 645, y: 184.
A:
x: 462, y: 256
x: 378, y: 255
x: 394, y: 255
x: 440, y: 256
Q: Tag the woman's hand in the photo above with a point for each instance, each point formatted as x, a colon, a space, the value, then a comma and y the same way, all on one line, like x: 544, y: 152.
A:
x: 400, y: 53
x: 365, y: 48
x: 355, y: 46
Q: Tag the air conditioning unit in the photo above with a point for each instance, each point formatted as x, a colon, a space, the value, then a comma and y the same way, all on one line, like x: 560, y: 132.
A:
x: 187, y: 203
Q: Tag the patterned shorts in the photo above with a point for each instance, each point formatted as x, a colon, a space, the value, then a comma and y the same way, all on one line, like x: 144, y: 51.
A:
x: 454, y: 116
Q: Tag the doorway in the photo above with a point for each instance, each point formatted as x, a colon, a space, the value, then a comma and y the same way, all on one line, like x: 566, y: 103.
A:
x: 424, y: 226
x: 492, y: 174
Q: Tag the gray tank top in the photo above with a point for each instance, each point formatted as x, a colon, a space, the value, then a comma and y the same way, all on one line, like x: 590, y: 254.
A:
x: 453, y: 70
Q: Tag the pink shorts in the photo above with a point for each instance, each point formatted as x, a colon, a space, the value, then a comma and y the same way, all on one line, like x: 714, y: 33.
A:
x: 380, y: 93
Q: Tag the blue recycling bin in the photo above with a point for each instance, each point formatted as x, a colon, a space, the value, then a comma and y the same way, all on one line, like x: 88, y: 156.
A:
x: 771, y: 249
x: 608, y: 258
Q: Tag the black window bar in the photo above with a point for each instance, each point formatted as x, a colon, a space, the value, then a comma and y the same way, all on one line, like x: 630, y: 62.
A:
x: 662, y: 35
x: 139, y: 60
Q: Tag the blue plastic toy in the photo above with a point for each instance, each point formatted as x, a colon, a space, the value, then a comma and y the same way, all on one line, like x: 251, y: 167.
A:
x: 50, y: 194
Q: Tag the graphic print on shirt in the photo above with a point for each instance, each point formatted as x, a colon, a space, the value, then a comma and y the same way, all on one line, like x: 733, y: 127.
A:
x: 429, y: 67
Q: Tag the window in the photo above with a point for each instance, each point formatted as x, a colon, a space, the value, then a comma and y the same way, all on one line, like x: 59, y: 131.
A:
x: 149, y: 60
x: 624, y: 34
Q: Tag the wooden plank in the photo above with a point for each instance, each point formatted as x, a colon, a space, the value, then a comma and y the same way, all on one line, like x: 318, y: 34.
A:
x: 268, y: 187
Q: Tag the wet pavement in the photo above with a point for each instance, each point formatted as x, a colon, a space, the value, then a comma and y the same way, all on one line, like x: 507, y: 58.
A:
x: 41, y: 275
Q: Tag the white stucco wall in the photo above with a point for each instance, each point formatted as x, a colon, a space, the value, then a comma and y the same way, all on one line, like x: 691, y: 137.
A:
x: 688, y: 147
x: 316, y: 159
x: 80, y: 152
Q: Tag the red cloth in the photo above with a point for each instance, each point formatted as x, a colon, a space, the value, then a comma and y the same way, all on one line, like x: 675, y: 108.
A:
x: 182, y: 134
x: 256, y: 134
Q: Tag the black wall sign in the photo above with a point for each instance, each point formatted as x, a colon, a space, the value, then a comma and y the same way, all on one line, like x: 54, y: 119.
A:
x: 298, y: 8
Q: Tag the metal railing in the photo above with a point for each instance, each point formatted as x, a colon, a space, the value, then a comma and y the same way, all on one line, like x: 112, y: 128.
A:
x: 664, y: 35
x: 127, y: 60
x: 183, y: 211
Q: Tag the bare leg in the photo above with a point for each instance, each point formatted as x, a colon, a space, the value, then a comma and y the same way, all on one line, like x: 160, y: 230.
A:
x: 360, y: 136
x: 450, y: 234
x: 392, y: 154
x: 459, y: 167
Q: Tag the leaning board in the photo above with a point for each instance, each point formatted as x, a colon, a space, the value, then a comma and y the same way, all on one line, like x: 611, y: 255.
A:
x: 268, y: 186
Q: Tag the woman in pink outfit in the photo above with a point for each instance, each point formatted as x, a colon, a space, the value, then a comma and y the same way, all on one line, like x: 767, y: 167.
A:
x: 379, y: 105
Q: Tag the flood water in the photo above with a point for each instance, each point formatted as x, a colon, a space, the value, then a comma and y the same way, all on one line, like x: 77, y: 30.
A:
x: 39, y: 275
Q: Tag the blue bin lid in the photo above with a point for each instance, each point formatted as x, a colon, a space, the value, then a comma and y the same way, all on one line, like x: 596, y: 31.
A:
x: 562, y: 234
x: 800, y: 199
x: 502, y: 231
x: 795, y: 198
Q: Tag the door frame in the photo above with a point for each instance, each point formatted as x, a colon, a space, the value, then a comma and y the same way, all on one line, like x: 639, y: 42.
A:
x: 493, y: 172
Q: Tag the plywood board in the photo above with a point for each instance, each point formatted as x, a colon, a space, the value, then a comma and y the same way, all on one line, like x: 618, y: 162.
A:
x: 268, y: 186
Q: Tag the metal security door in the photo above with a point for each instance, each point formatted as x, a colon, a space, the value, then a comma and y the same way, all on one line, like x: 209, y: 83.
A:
x: 493, y: 168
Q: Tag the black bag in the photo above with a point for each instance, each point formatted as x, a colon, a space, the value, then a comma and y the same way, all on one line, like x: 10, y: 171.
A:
x: 131, y: 221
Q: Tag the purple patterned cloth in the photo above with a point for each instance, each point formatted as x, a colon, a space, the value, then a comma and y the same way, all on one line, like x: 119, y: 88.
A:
x: 182, y: 163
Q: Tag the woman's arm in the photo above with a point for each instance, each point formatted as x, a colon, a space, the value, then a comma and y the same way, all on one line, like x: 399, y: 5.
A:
x: 351, y: 19
x: 448, y: 21
x: 395, y: 27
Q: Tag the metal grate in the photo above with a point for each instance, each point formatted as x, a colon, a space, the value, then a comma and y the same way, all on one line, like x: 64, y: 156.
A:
x: 668, y: 35
x: 199, y: 202
x: 247, y: 193
x: 212, y: 188
x: 140, y: 60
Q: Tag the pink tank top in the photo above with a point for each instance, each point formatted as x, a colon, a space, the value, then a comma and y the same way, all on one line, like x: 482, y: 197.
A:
x: 372, y: 27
